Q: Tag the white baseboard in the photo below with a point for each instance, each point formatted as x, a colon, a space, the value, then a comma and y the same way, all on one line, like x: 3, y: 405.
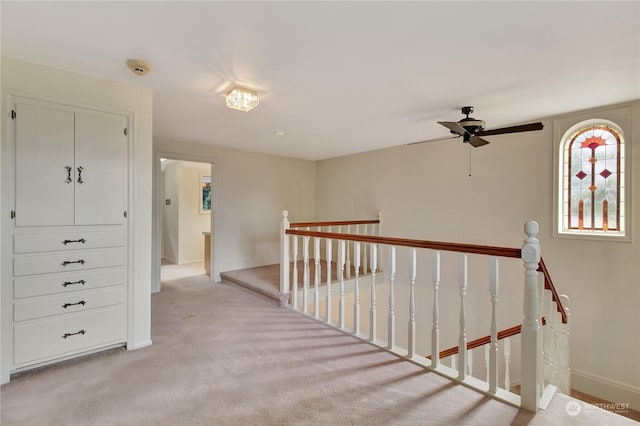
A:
x: 134, y: 346
x: 607, y: 389
x: 186, y: 262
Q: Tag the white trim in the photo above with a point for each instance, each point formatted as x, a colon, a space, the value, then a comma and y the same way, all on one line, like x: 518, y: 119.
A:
x: 158, y: 204
x: 139, y: 345
x: 607, y: 389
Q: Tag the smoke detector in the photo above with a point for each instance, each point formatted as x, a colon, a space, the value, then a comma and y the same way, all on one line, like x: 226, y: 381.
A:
x: 138, y: 67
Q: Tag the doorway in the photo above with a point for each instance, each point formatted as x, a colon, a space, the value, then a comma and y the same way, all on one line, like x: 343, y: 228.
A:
x: 183, y: 219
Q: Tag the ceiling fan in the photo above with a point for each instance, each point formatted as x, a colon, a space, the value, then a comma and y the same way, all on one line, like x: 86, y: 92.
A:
x: 471, y: 129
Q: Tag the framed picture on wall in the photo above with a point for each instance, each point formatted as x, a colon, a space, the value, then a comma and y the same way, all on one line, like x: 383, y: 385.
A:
x: 205, y: 194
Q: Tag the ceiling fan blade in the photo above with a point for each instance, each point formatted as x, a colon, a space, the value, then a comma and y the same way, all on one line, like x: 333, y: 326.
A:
x: 513, y: 129
x: 477, y: 142
x: 454, y: 127
x: 433, y: 140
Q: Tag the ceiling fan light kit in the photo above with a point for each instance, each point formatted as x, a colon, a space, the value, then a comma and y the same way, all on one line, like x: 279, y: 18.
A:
x: 471, y: 129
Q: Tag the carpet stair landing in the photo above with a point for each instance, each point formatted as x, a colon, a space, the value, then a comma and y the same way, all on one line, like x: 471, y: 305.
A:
x: 262, y: 281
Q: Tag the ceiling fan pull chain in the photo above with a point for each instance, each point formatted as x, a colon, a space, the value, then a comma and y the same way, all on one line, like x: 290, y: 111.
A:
x: 469, y: 160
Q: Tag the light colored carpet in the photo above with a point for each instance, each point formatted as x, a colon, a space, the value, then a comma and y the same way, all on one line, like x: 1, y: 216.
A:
x: 223, y: 356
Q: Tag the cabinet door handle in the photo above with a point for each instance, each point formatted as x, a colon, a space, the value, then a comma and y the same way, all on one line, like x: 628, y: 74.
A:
x: 66, y: 305
x: 66, y: 335
x: 66, y: 283
x: 69, y: 262
x: 68, y: 179
x: 80, y: 169
x: 81, y: 240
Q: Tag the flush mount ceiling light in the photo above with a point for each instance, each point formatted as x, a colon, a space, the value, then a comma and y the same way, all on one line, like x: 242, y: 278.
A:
x: 242, y: 99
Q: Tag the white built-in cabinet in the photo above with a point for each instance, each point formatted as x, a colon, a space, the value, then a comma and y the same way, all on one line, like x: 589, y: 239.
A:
x: 69, y: 271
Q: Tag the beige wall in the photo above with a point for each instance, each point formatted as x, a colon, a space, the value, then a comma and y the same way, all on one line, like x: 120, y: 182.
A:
x: 27, y: 78
x: 424, y: 191
x: 251, y: 190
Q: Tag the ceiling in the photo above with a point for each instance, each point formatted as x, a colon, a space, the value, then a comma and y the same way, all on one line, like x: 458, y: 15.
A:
x: 340, y: 77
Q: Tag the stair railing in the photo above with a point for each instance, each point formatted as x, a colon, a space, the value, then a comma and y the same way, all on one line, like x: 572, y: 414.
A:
x: 533, y: 392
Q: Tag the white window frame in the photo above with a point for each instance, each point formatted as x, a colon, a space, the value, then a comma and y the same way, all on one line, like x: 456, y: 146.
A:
x: 619, y: 119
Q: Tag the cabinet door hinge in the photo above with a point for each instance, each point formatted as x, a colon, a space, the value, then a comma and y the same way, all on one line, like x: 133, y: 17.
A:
x: 13, y: 214
x: 126, y: 131
x: 125, y: 214
x: 13, y: 114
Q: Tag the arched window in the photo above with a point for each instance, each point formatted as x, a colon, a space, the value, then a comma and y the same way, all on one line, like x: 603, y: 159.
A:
x: 592, y: 186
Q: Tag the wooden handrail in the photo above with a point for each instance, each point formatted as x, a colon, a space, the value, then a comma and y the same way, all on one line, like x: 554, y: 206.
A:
x: 403, y: 242
x: 334, y: 223
x: 548, y: 285
x: 516, y: 329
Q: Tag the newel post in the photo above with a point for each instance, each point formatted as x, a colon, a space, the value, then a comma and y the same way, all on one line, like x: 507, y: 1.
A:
x: 284, y: 253
x: 531, y: 362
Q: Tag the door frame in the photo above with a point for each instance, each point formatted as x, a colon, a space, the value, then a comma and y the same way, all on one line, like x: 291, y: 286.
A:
x: 158, y: 205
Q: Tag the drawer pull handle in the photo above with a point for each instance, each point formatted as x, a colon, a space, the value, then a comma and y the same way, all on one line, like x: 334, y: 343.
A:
x: 66, y: 305
x: 67, y: 335
x: 68, y: 180
x: 69, y: 262
x: 81, y: 240
x: 66, y: 283
x: 80, y: 169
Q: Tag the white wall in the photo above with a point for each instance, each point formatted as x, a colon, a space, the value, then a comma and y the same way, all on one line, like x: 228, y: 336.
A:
x: 250, y: 192
x: 182, y: 222
x: 192, y: 223
x: 170, y: 227
x: 424, y: 191
x: 28, y: 78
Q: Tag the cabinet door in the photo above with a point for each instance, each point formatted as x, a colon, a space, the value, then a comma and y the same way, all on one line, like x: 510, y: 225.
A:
x: 100, y: 159
x: 44, y: 151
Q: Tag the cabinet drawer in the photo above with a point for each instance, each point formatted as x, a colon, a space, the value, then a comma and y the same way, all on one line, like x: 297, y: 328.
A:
x: 78, y: 301
x: 67, y: 282
x: 61, y: 336
x: 63, y: 241
x: 71, y: 261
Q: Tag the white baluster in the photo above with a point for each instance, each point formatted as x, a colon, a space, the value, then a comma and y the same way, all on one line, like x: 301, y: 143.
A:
x: 563, y: 352
x: 454, y: 362
x: 372, y: 318
x: 435, y: 331
x: 462, y: 341
x: 329, y: 258
x: 469, y: 362
x: 376, y: 229
x: 507, y: 362
x: 412, y: 305
x: 548, y: 339
x: 305, y: 275
x: 486, y: 363
x: 364, y: 252
x: 391, y: 334
x: 284, y: 253
x: 531, y: 358
x: 492, y: 348
x: 348, y: 259
x: 356, y: 303
x: 540, y: 293
x: 341, y: 257
x: 294, y: 239
x: 316, y: 276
